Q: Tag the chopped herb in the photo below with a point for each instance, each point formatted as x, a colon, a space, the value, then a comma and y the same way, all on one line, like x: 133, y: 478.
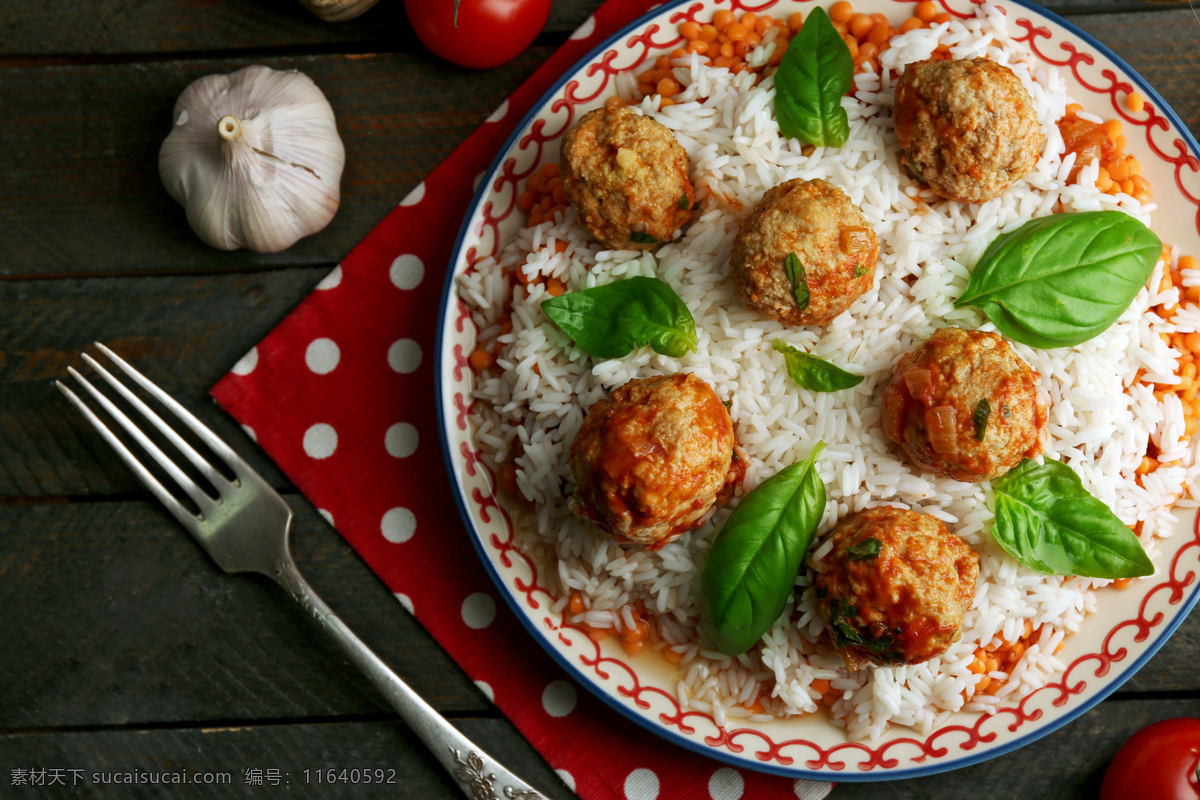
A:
x: 983, y: 410
x: 860, y: 269
x: 642, y: 238
x: 867, y: 548
x: 728, y: 406
x: 684, y: 203
x: 799, y: 280
x: 879, y: 645
x: 845, y: 633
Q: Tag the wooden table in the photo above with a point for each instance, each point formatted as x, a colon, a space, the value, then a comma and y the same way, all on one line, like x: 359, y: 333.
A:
x: 122, y: 647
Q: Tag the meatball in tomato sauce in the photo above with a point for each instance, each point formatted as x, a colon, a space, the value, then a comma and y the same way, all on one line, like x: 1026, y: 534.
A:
x: 964, y: 405
x: 627, y: 177
x: 804, y: 254
x: 895, y: 587
x: 968, y: 127
x: 654, y: 458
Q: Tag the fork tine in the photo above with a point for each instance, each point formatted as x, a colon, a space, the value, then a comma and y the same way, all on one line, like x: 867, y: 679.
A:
x: 189, y: 486
x: 215, y: 443
x: 187, y: 518
x: 198, y: 461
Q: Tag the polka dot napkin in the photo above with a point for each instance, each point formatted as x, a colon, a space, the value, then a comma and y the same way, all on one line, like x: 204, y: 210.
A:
x: 341, y: 396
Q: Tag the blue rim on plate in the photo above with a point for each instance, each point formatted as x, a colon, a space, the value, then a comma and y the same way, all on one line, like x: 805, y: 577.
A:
x: 667, y: 733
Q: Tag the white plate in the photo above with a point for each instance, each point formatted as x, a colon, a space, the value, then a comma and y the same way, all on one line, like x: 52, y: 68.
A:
x: 1126, y: 629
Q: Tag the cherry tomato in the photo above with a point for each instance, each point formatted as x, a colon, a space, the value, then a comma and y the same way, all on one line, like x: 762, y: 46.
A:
x: 479, y: 33
x: 1159, y: 762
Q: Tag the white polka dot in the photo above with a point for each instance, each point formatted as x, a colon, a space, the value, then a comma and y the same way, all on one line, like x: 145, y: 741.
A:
x: 641, y: 784
x: 567, y: 778
x: 246, y: 363
x: 405, y: 601
x: 559, y: 698
x: 478, y: 611
x: 398, y: 525
x: 404, y: 356
x: 322, y: 356
x: 407, y: 271
x: 332, y: 280
x: 320, y: 440
x: 415, y: 196
x: 811, y: 790
x: 726, y: 784
x: 500, y: 113
x: 325, y: 515
x: 250, y: 432
x: 585, y: 30
x: 401, y: 440
x: 487, y: 690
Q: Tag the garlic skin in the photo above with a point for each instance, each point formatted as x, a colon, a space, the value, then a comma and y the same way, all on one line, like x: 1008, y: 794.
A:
x: 255, y: 158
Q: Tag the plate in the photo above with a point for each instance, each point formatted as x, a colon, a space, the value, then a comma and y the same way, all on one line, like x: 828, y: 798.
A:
x: 1123, y: 633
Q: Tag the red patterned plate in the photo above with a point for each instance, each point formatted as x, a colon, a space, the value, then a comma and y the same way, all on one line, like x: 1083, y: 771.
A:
x: 1125, y: 630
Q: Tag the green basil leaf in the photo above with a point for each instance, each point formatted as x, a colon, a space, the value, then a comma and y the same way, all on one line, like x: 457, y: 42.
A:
x: 1060, y: 280
x: 684, y: 203
x: 866, y: 549
x: 794, y: 269
x: 815, y: 374
x: 754, y: 560
x: 610, y: 321
x: 813, y: 77
x: 1046, y: 520
x: 643, y: 238
x: 983, y: 411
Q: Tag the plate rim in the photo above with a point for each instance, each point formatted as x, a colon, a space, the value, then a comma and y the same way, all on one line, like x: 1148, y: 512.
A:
x: 878, y: 774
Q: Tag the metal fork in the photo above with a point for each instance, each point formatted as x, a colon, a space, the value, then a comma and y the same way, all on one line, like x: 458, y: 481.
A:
x: 245, y: 529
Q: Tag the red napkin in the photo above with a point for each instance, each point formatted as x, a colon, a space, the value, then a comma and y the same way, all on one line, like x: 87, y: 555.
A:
x: 341, y: 396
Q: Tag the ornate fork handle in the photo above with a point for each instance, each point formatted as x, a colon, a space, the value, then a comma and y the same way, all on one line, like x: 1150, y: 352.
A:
x: 479, y: 775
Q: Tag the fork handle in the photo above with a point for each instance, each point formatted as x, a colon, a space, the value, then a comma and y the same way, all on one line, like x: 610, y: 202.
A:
x: 479, y: 775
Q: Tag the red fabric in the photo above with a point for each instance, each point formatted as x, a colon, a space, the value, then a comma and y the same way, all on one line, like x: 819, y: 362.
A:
x: 341, y: 396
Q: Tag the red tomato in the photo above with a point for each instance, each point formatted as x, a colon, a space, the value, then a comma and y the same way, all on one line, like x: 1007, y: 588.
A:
x: 486, y: 33
x: 1158, y: 762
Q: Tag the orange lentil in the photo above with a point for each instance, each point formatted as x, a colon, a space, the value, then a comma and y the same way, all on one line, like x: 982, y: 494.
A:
x: 507, y: 479
x: 697, y: 46
x: 926, y: 10
x: 796, y: 21
x: 752, y: 40
x: 1121, y: 583
x: 983, y: 684
x: 690, y: 30
x: 597, y: 634
x: 1135, y: 102
x: 481, y: 359
x: 1113, y: 128
x: 868, y: 51
x: 942, y: 18
x: 765, y: 23
x: 841, y: 11
x: 820, y: 686
x: 841, y: 27
x: 911, y: 24
x: 709, y: 33
x: 879, y: 34
x: 749, y: 20
x: 668, y: 87
x: 672, y: 655
x: 575, y: 604
x: 860, y: 25
x: 722, y: 19
x: 852, y: 45
x: 1147, y: 466
x: 525, y: 201
x: 735, y: 32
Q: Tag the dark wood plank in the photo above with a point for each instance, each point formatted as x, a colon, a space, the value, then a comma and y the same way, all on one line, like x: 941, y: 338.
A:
x: 114, y: 616
x: 82, y: 194
x: 183, y: 332
x: 282, y: 752
x: 111, y: 27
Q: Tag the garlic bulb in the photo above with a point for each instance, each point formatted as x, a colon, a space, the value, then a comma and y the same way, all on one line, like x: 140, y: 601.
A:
x: 255, y: 158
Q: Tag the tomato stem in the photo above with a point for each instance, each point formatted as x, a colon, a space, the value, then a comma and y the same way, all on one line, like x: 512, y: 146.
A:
x: 456, y: 2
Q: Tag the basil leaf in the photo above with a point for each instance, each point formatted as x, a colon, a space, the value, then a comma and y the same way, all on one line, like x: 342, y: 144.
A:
x: 866, y: 549
x: 815, y: 374
x: 610, y: 321
x: 794, y: 269
x: 983, y: 410
x: 1046, y: 520
x: 643, y: 238
x: 1060, y: 280
x: 813, y: 77
x: 684, y: 203
x: 754, y: 560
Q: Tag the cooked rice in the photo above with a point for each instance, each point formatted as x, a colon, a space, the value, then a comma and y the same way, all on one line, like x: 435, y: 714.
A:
x: 1101, y: 417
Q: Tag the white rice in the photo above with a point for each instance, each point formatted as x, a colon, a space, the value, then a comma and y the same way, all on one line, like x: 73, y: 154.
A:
x: 1100, y: 419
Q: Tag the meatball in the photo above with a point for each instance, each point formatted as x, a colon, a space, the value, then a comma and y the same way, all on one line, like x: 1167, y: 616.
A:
x: 895, y: 587
x: 627, y: 177
x: 968, y: 128
x: 804, y: 254
x: 653, y: 458
x: 964, y: 405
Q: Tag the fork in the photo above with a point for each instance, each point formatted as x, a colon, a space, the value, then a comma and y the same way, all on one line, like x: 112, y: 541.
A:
x: 245, y: 529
